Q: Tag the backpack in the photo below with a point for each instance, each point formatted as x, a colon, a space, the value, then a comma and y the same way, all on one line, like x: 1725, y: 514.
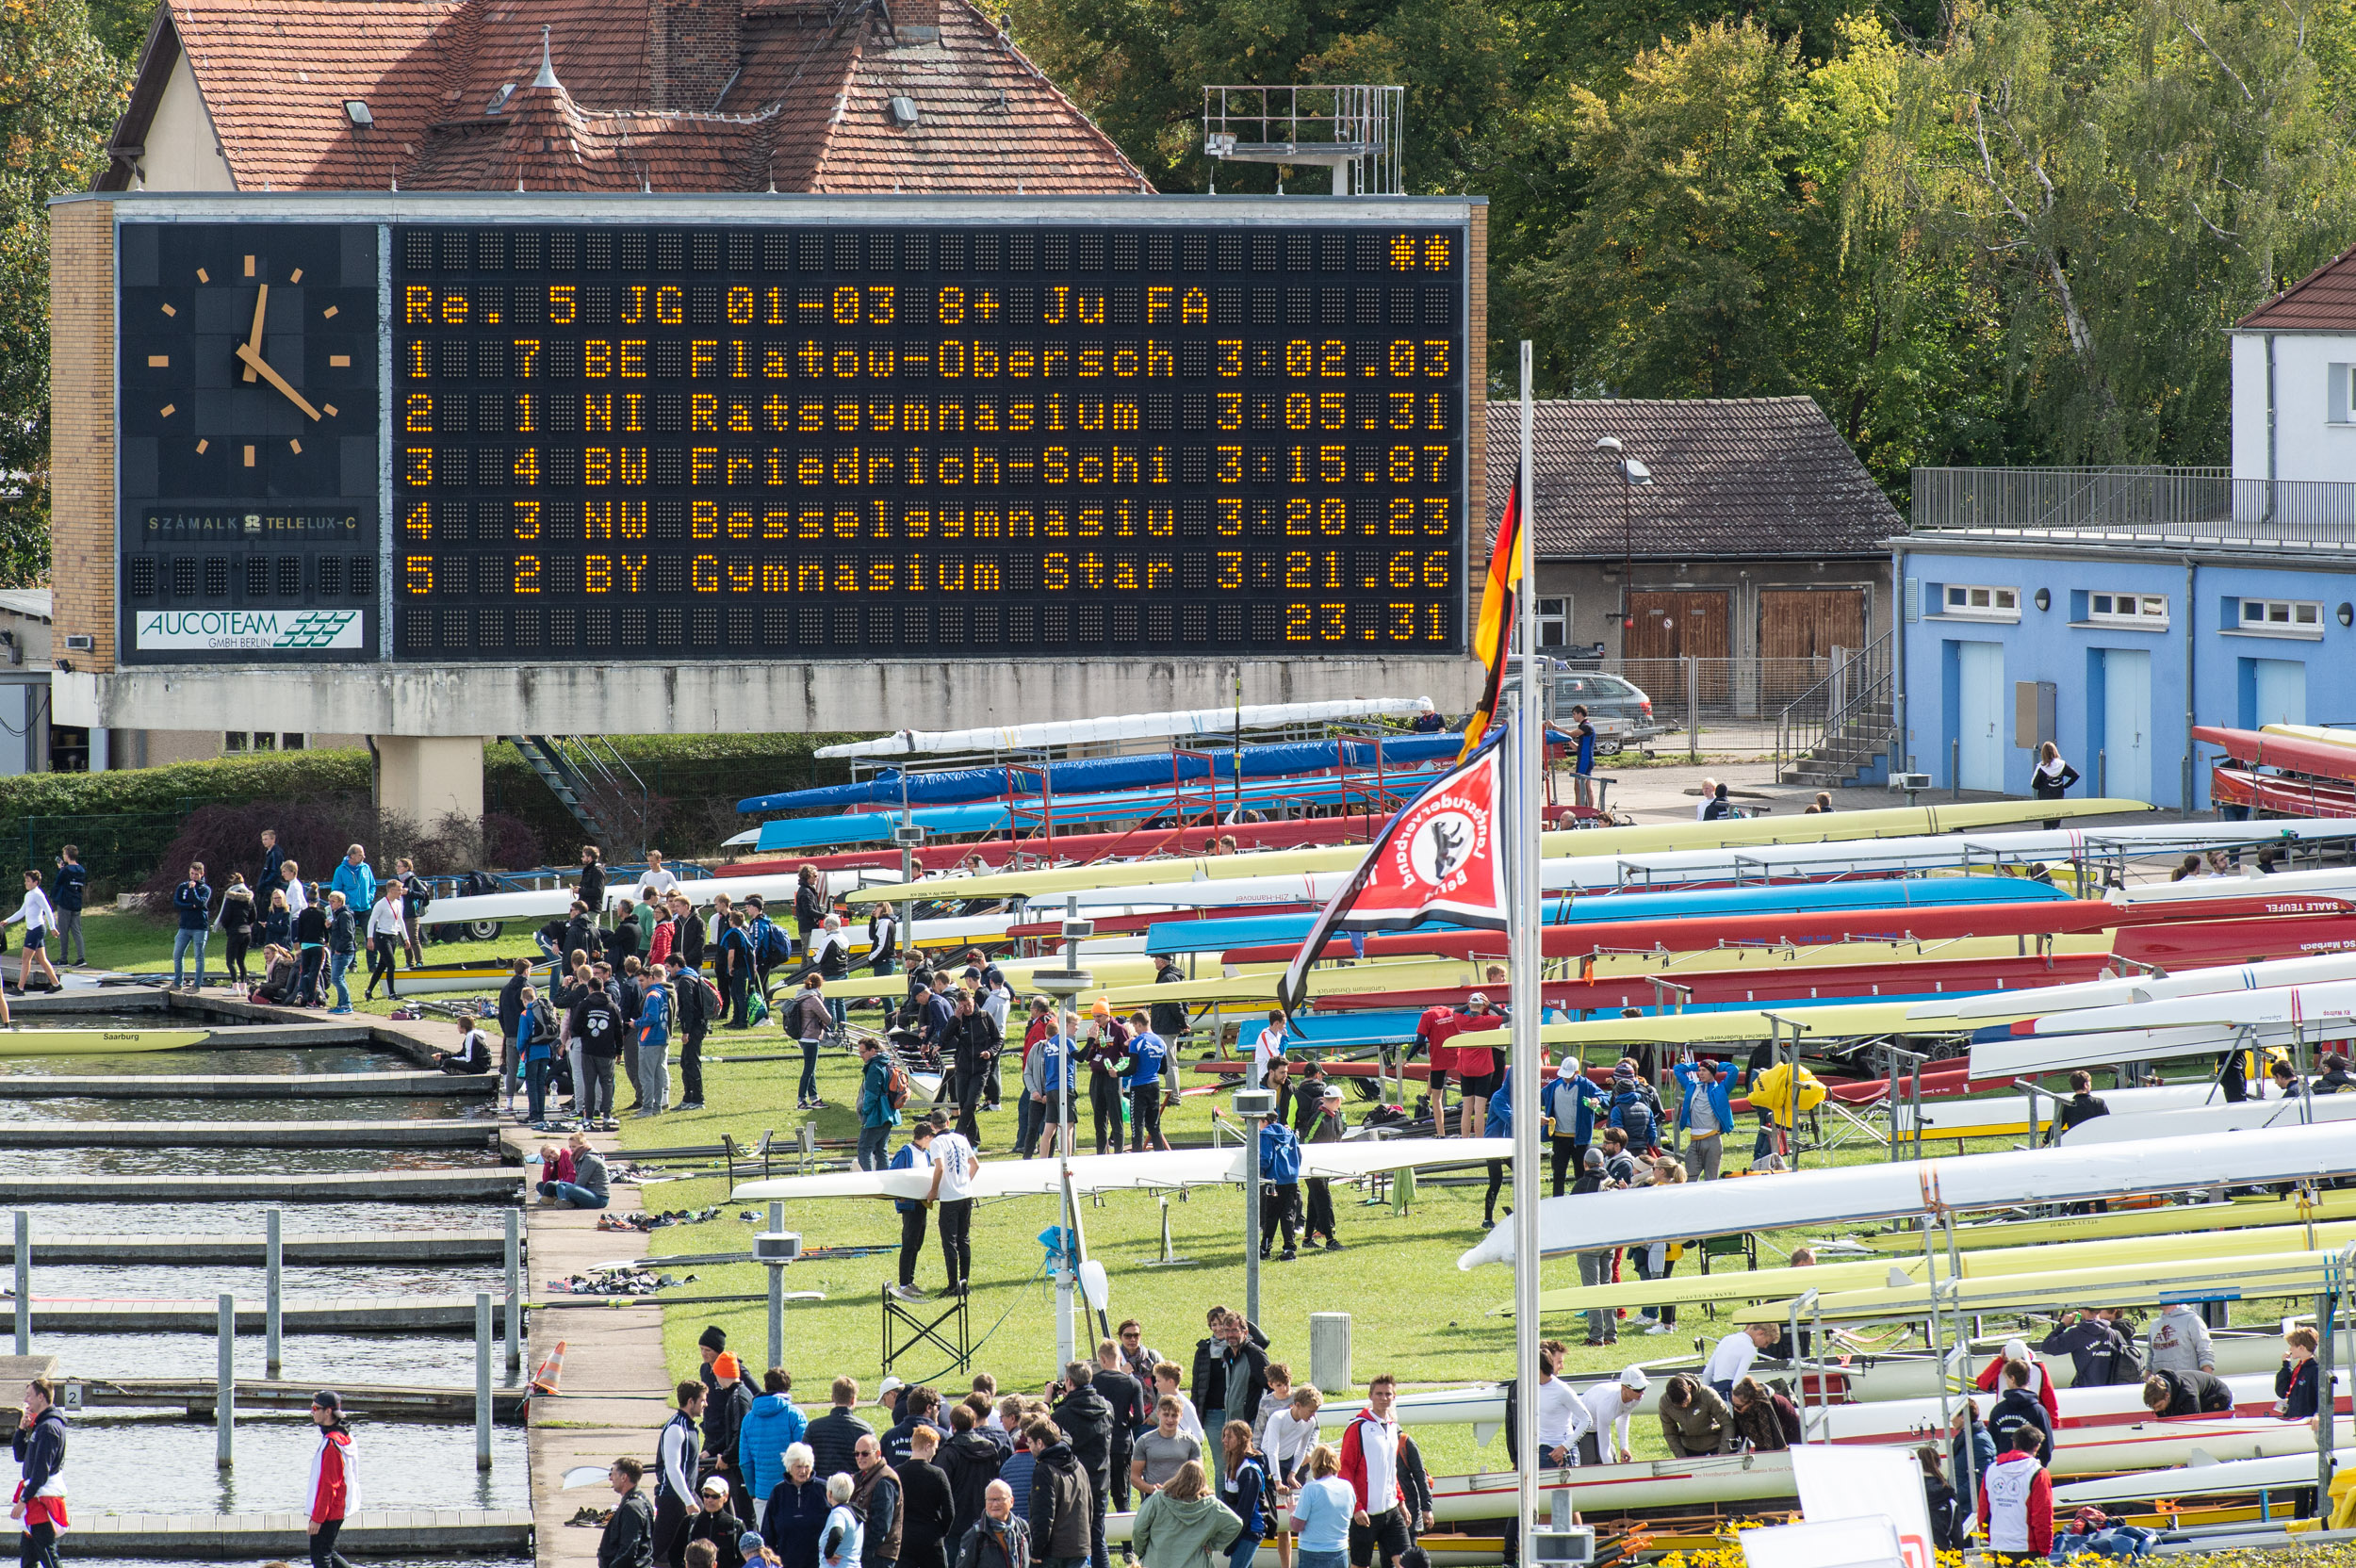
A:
x: 771, y: 945
x: 897, y: 1087
x: 2126, y: 1358
x: 1632, y: 1114
x: 1280, y: 1154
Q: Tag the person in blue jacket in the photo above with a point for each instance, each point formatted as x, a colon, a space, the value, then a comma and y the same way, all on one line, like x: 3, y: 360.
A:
x: 770, y: 1428
x: 1705, y: 1117
x: 1571, y: 1101
x: 356, y: 881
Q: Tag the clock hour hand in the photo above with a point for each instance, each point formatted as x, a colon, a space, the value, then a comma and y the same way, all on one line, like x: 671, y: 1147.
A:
x: 253, y: 362
x: 254, y: 340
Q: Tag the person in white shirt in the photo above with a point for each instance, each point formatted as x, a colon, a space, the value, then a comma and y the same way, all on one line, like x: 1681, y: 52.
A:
x: 1562, y: 1417
x: 1730, y: 1363
x: 1292, y: 1431
x: 388, y: 928
x: 39, y: 919
x: 1166, y: 1387
x: 290, y: 883
x: 1609, y: 1408
x: 955, y: 1164
x: 1269, y: 1047
x: 654, y: 876
x: 1709, y: 793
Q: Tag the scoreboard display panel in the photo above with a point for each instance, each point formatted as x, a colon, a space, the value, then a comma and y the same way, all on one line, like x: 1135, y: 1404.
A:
x: 776, y: 441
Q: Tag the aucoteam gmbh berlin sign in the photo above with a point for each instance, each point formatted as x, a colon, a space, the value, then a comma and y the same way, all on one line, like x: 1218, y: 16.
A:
x: 259, y: 630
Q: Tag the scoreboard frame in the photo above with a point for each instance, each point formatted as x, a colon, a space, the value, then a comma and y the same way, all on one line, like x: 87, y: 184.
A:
x: 1227, y: 528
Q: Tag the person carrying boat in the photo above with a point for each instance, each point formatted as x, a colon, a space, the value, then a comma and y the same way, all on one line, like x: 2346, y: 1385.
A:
x: 1694, y: 1419
x: 2100, y: 1351
x: 2017, y: 1503
x: 2167, y: 1394
x: 2017, y: 1410
x: 1704, y: 1115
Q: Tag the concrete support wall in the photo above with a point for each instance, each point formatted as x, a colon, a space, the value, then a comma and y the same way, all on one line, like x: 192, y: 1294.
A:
x: 724, y: 700
x: 426, y: 778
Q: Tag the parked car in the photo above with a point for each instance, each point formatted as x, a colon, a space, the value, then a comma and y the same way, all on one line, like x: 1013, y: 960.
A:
x: 1617, y: 707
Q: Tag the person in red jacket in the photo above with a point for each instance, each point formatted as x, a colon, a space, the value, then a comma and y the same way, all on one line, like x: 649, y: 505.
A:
x: 2017, y: 1503
x: 335, y: 1479
x: 1992, y: 1378
x: 1370, y: 1463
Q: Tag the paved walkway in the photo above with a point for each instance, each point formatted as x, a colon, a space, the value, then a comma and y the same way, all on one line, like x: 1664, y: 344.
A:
x: 614, y: 1390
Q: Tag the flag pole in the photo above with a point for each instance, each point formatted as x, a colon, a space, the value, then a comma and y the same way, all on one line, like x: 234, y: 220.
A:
x: 1528, y: 759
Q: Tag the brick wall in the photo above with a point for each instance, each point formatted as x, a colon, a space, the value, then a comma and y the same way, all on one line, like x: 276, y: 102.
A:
x: 82, y: 438
x: 694, y: 49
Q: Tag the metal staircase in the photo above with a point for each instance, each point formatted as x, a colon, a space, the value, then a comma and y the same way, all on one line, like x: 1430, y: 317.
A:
x: 1841, y: 726
x: 595, y: 784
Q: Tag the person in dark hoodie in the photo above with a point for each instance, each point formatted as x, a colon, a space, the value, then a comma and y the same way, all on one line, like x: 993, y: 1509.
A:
x: 714, y: 1525
x: 927, y: 1509
x: 971, y: 1461
x: 335, y: 1483
x: 2166, y: 1394
x: 2016, y: 1408
x: 1062, y: 1517
x: 2097, y: 1349
x: 1086, y: 1420
x: 730, y: 1398
x: 834, y: 1436
x: 919, y: 1407
x: 39, y: 1447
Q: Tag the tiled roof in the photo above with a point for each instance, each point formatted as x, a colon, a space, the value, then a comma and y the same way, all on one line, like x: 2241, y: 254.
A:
x: 799, y: 100
x: 1730, y: 477
x: 2323, y: 301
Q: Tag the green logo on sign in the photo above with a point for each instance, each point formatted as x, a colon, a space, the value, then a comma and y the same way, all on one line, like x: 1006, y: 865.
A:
x: 316, y: 629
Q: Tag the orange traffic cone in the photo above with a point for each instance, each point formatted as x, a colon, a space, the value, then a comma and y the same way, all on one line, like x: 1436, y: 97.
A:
x: 551, y: 1367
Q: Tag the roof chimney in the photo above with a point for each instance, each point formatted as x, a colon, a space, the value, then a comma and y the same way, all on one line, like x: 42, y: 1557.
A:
x: 694, y: 52
x: 547, y: 68
x: 916, y: 21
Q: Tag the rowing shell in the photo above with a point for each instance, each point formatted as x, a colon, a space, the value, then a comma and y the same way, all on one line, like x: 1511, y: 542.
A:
x: 97, y: 1043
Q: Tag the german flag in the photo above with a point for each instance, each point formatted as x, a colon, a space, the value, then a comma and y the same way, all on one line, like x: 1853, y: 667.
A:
x: 1494, y: 636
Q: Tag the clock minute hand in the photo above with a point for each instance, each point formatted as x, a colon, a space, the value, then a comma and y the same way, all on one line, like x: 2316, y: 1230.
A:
x: 254, y: 361
x: 253, y: 339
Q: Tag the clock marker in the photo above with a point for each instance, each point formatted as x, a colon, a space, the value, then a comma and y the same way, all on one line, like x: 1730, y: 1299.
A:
x: 340, y: 362
x: 169, y: 311
x: 297, y: 276
x: 159, y: 361
x: 249, y: 457
x: 167, y: 410
x: 331, y: 409
x: 203, y: 276
x: 201, y: 446
x: 249, y: 267
x: 297, y: 446
x: 329, y: 313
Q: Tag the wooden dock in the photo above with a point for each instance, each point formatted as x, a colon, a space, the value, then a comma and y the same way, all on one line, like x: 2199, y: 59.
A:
x: 246, y: 1085
x: 486, y: 1185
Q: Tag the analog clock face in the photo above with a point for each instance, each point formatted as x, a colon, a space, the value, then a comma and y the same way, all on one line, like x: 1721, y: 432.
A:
x: 247, y: 405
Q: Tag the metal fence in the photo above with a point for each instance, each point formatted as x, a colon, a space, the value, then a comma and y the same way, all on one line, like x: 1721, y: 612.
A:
x: 1722, y: 705
x: 119, y: 850
x: 2136, y: 505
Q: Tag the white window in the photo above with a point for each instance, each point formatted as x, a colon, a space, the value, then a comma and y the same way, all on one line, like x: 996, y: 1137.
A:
x: 1980, y: 602
x: 2148, y: 611
x: 2339, y: 381
x: 1554, y: 623
x: 2296, y: 616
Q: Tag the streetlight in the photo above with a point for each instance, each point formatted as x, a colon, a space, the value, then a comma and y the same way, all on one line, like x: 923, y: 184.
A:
x: 1633, y: 473
x: 1061, y: 986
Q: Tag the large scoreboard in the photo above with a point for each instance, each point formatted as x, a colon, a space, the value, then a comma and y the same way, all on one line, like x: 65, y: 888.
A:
x: 556, y: 441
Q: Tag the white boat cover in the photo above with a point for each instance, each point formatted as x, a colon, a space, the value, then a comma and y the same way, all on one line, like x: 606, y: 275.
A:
x: 1856, y: 1193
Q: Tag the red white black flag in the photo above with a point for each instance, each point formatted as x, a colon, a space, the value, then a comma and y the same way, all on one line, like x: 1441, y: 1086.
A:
x: 1441, y: 858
